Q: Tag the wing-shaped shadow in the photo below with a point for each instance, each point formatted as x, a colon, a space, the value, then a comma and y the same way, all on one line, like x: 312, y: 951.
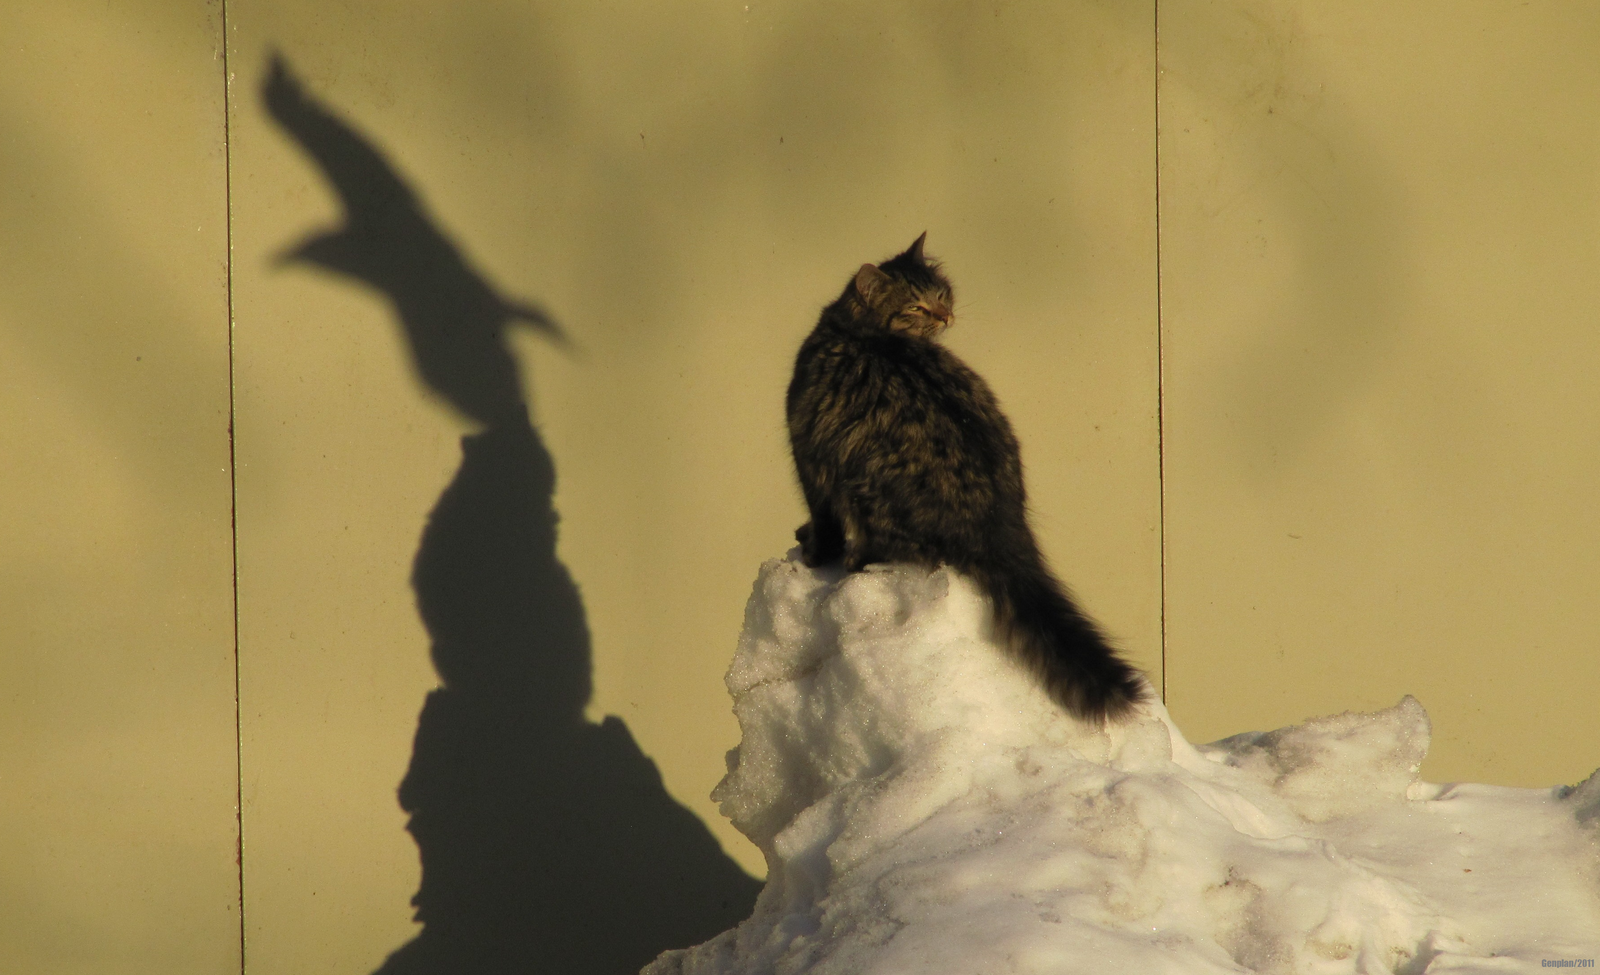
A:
x: 548, y: 842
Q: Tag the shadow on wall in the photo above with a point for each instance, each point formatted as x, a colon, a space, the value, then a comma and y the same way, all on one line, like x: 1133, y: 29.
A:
x: 548, y: 843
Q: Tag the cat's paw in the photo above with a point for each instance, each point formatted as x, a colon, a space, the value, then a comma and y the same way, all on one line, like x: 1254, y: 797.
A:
x: 806, y: 536
x: 856, y: 560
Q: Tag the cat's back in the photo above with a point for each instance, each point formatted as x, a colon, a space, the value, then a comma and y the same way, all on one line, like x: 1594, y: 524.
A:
x: 890, y: 400
x: 853, y: 368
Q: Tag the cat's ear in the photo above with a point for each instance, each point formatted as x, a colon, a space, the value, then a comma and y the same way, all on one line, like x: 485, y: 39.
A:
x: 870, y: 281
x: 916, y: 248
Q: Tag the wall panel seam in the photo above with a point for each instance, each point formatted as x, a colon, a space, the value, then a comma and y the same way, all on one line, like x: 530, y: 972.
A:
x: 233, y: 473
x: 1161, y: 362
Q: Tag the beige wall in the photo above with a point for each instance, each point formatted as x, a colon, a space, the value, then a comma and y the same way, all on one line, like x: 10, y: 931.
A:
x: 1368, y: 476
x: 683, y: 188
x: 118, y: 777
x: 1380, y: 283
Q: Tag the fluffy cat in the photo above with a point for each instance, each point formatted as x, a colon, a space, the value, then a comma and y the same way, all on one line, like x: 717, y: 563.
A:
x: 904, y: 456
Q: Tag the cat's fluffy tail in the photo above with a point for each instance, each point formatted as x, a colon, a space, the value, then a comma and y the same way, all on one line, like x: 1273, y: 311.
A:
x: 1063, y: 648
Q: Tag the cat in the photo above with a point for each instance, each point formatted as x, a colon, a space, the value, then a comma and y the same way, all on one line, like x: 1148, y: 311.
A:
x: 903, y: 455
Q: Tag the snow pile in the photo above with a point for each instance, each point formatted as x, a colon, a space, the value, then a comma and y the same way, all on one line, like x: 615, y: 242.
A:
x: 923, y: 808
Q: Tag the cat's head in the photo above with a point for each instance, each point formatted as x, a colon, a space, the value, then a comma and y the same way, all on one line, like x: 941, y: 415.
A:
x: 907, y: 293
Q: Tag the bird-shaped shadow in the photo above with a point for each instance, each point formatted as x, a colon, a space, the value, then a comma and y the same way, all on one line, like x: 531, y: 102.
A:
x: 454, y: 320
x: 548, y: 842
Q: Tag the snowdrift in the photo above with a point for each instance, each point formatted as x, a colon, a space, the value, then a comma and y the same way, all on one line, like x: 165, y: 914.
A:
x: 924, y: 808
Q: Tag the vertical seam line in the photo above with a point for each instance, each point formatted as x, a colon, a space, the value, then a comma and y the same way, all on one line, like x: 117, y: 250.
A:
x: 233, y: 476
x: 1161, y: 361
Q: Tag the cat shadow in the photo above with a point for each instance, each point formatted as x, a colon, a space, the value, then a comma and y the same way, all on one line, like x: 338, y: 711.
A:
x: 548, y: 842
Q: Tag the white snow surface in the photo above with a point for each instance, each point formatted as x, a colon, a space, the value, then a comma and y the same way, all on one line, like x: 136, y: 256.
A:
x: 924, y: 808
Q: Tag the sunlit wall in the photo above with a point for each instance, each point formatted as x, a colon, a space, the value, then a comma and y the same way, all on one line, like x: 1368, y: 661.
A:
x: 1291, y: 305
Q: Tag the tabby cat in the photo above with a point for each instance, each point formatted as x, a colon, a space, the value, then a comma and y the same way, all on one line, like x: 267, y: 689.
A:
x: 904, y: 456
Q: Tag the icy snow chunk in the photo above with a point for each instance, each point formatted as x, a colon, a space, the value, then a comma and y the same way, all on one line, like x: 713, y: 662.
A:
x: 1585, y: 800
x: 924, y: 807
x: 1337, y: 765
